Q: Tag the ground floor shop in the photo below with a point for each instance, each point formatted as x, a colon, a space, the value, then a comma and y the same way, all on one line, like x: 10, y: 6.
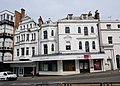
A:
x: 69, y: 64
x: 66, y: 67
x: 60, y: 65
x: 23, y: 68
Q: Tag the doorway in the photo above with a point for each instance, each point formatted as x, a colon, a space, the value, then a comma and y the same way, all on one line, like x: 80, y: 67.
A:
x: 21, y: 71
x: 84, y: 66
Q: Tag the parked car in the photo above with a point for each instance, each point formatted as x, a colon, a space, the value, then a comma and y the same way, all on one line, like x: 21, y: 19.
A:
x: 7, y: 75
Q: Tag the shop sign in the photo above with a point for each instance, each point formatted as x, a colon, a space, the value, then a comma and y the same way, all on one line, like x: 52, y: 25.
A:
x: 87, y: 56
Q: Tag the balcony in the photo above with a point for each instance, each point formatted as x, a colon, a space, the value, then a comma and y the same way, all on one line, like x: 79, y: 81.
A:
x: 6, y: 35
x: 6, y: 49
x: 7, y: 22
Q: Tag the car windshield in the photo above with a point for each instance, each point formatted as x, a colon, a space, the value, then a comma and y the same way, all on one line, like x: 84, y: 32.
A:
x: 9, y: 73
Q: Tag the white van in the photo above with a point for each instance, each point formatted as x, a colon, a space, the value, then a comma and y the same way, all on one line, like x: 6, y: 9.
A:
x: 7, y: 75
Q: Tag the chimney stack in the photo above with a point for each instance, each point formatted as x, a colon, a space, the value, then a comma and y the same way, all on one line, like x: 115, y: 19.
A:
x: 40, y: 21
x: 22, y: 13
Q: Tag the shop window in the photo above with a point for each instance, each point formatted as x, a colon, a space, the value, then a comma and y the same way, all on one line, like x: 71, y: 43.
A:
x: 48, y: 66
x: 69, y: 65
x: 97, y: 64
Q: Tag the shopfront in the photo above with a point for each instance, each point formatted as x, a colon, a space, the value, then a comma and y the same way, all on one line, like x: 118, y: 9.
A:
x: 69, y: 64
x: 23, y: 68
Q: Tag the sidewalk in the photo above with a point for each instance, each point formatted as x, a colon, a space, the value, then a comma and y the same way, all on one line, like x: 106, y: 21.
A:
x: 82, y: 75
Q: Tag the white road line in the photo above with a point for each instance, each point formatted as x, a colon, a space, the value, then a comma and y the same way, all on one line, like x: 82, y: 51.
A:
x: 22, y: 84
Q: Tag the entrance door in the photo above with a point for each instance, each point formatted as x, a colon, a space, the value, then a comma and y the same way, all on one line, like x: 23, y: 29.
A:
x: 21, y: 71
x: 84, y: 66
x: 15, y: 70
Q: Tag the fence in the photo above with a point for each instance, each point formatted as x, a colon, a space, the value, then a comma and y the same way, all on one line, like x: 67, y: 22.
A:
x: 81, y: 84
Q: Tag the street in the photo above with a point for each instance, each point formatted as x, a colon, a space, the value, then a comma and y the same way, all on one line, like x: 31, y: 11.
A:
x: 111, y: 76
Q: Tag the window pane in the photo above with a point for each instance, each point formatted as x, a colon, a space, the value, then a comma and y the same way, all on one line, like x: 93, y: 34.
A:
x: 68, y: 47
x: 45, y: 49
x: 87, y: 46
x: 108, y: 26
x: 69, y: 65
x: 45, y: 34
x: 22, y: 51
x: 80, y: 45
x: 33, y: 50
x: 97, y: 65
x: 110, y: 40
x: 93, y: 44
x: 52, y: 47
x: 85, y: 31
x: 52, y: 33
x: 79, y: 30
x: 92, y: 30
x: 67, y: 30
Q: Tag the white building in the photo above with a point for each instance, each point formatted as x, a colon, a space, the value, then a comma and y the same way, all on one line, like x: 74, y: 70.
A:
x: 6, y: 37
x: 110, y: 32
x: 25, y: 46
x: 70, y: 46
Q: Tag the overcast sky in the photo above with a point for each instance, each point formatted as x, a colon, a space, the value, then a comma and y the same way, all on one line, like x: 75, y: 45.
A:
x: 57, y: 9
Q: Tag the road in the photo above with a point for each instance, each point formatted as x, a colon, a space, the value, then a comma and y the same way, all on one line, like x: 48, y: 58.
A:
x: 79, y: 78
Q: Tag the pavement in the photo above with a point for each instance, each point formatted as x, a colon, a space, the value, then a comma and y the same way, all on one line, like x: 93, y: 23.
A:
x: 81, y: 75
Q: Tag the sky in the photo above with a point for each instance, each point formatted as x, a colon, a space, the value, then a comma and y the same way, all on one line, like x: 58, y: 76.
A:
x: 58, y: 9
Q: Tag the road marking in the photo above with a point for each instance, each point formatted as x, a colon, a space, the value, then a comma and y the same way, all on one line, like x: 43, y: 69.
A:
x: 22, y: 84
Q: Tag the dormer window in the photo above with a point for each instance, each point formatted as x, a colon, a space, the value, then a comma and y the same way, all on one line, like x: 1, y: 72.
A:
x: 30, y: 25
x: 108, y: 26
x: 84, y: 16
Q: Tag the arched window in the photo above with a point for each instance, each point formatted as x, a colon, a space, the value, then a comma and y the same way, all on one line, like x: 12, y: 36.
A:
x: 79, y: 30
x: 85, y: 31
x: 86, y: 46
x: 80, y: 45
x: 52, y: 33
x: 92, y: 29
x: 52, y: 47
x: 93, y: 45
